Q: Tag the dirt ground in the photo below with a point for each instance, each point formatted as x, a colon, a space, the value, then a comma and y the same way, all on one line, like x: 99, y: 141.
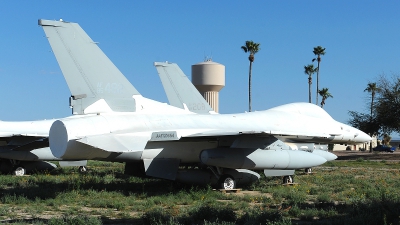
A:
x: 353, y: 155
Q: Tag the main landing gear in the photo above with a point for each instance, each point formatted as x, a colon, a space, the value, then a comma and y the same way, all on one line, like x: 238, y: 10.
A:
x: 19, y: 171
x: 17, y: 168
x: 225, y: 181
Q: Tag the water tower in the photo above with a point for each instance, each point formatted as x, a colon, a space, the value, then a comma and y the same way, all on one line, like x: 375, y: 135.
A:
x: 209, y: 78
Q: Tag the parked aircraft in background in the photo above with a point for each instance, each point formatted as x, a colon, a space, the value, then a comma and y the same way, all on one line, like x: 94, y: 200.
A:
x: 24, y: 147
x: 21, y: 147
x: 115, y: 123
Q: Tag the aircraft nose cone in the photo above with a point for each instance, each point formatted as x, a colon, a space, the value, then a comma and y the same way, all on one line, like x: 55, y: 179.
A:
x: 362, y: 137
x: 325, y: 154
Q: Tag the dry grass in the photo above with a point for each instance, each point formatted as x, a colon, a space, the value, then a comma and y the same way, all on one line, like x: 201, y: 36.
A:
x: 355, y: 192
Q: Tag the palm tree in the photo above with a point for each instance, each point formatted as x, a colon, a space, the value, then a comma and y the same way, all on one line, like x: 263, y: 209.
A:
x: 373, y: 89
x: 324, y: 94
x: 253, y: 48
x: 318, y: 51
x: 309, y: 70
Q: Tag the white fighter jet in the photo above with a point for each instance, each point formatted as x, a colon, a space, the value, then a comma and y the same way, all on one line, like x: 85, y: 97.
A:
x: 182, y: 93
x: 114, y: 122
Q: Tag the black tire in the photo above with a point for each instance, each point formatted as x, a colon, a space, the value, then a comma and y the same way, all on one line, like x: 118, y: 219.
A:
x: 82, y: 169
x: 19, y: 171
x: 226, y: 182
x: 288, y: 180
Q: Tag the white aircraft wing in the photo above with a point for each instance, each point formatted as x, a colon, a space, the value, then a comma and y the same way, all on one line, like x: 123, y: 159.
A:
x: 6, y: 134
x: 214, y: 133
x: 24, y: 136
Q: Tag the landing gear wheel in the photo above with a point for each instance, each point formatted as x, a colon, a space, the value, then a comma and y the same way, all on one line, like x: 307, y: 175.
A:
x: 19, y: 171
x: 227, y: 182
x: 287, y: 180
x: 82, y: 169
x: 308, y: 170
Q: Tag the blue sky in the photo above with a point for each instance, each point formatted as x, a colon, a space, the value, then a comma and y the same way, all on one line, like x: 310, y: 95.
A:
x: 361, y: 40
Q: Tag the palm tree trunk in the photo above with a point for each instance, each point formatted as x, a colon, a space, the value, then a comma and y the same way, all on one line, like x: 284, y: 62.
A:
x: 370, y: 120
x: 372, y: 104
x: 251, y: 65
x: 319, y: 59
x: 309, y: 90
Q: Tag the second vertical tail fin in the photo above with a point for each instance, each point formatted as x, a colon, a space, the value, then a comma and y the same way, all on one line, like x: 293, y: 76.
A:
x: 180, y: 91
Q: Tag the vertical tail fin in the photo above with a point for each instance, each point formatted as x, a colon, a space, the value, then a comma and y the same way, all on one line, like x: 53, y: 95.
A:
x: 180, y: 91
x: 95, y: 83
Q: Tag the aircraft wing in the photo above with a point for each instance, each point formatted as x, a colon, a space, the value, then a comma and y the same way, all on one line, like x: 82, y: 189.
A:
x: 25, y: 135
x: 179, y: 90
x: 23, y: 142
x: 5, y: 135
x: 137, y: 141
x: 214, y: 133
x: 38, y: 143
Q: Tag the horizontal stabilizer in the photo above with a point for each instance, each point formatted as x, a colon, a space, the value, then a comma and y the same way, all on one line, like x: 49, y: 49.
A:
x: 129, y: 142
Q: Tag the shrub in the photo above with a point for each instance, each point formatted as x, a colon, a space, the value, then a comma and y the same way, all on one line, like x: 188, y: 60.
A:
x: 155, y: 216
x: 212, y: 214
x: 360, y: 159
x: 324, y: 197
x: 255, y: 216
x: 76, y: 220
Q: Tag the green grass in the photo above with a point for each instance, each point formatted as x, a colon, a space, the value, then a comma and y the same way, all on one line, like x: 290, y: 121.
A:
x: 351, y: 192
x: 360, y: 162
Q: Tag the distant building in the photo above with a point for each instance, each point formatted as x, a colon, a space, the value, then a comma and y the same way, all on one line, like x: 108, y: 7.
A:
x: 395, y: 143
x: 339, y: 147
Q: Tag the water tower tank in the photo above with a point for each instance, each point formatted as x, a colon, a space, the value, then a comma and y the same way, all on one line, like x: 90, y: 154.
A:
x: 209, y: 78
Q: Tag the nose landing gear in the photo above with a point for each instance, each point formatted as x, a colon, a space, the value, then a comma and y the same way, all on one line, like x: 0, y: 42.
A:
x: 288, y: 180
